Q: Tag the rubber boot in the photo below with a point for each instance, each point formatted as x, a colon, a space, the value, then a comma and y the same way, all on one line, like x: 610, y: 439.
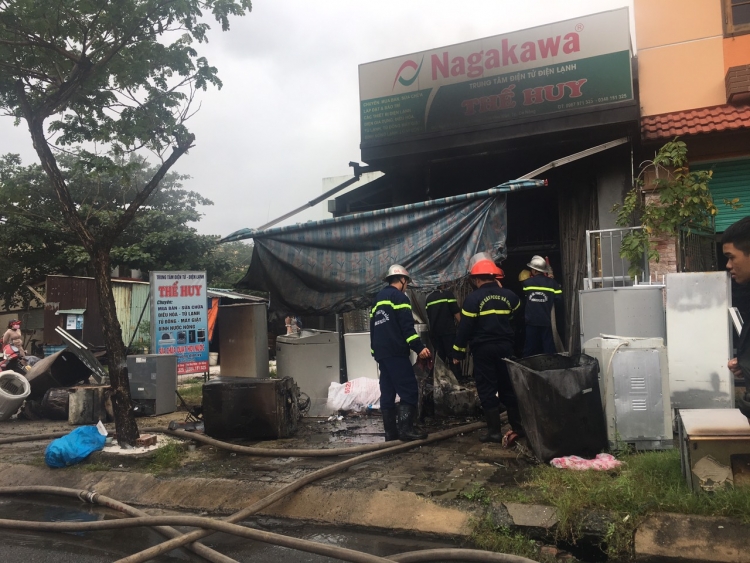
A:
x: 494, y: 427
x: 389, y: 424
x: 407, y: 414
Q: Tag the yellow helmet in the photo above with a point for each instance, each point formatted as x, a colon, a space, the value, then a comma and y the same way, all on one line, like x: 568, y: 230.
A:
x: 524, y: 275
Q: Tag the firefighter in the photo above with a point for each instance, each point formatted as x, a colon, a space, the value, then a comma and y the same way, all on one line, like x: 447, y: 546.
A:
x: 486, y: 324
x: 392, y: 334
x: 443, y: 315
x: 542, y: 293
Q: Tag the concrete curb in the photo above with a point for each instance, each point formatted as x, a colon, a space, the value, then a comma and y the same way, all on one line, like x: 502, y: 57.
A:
x: 401, y: 511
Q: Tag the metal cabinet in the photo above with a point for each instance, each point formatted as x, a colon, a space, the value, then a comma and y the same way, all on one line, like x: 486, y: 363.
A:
x: 634, y: 386
x: 153, y: 382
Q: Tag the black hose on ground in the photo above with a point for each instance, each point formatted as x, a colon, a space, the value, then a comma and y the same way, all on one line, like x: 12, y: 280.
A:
x: 169, y: 545
x: 308, y: 546
x: 102, y: 500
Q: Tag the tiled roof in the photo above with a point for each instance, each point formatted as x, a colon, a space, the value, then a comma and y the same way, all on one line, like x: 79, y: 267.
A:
x: 695, y: 121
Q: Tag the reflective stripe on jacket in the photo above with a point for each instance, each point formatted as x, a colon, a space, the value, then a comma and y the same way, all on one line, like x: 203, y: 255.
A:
x: 486, y: 316
x: 392, y: 331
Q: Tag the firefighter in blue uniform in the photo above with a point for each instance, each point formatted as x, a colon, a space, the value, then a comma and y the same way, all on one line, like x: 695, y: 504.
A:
x: 487, y: 326
x: 392, y: 335
x: 443, y: 314
x: 542, y: 293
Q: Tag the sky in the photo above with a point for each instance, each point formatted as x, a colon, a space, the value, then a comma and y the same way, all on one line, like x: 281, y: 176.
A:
x: 288, y: 113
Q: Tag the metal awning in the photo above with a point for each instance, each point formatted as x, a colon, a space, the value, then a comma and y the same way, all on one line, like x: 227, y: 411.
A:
x: 70, y: 311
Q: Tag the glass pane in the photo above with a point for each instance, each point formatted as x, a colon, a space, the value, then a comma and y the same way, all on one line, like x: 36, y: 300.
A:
x: 741, y: 14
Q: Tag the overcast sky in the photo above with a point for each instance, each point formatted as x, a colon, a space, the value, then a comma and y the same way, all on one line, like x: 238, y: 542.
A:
x: 288, y: 114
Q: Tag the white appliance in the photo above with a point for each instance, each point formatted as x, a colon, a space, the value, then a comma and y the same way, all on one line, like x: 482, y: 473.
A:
x: 634, y: 385
x: 699, y: 340
x: 311, y: 358
x: 359, y: 360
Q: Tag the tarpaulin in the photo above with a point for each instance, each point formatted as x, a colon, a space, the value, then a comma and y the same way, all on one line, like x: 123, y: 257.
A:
x: 337, y: 265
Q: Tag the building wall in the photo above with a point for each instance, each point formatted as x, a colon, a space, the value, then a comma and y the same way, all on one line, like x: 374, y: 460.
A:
x: 683, y: 55
x: 680, y: 54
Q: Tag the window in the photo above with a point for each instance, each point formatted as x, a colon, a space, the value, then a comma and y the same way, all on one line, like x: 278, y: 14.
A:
x: 736, y: 17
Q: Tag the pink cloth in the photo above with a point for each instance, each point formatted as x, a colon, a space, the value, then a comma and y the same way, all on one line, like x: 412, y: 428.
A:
x: 602, y: 462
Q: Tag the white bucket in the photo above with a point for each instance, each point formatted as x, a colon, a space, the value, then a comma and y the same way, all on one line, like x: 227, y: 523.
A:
x: 14, y: 388
x: 213, y: 358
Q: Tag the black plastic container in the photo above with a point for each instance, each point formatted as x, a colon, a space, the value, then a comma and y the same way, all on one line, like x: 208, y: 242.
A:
x: 560, y: 404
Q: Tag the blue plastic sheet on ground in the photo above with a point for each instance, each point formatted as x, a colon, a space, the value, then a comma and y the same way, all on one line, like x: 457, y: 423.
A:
x: 74, y: 448
x: 337, y: 265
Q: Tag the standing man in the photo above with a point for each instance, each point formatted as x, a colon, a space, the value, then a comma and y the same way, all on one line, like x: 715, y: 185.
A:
x: 736, y: 247
x: 392, y: 334
x: 443, y: 315
x: 486, y: 319
x: 542, y: 293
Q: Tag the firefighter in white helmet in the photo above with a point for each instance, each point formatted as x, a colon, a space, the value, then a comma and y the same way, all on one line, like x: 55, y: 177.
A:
x: 392, y: 335
x: 542, y: 293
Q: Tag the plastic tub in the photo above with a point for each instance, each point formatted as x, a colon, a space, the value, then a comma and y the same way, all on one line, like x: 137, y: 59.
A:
x: 14, y: 388
x: 213, y: 358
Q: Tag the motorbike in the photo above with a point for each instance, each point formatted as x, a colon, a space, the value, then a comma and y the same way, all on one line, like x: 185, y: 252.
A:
x: 13, y: 360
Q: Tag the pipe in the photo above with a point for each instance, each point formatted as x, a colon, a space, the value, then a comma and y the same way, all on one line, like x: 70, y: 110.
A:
x: 174, y: 543
x: 96, y: 498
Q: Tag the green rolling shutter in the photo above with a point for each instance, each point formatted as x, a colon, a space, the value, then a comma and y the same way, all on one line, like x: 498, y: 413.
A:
x: 731, y: 179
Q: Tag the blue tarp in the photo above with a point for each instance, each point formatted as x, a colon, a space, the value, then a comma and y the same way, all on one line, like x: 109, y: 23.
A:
x: 337, y: 265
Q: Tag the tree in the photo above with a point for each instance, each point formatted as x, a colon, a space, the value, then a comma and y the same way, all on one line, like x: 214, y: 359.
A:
x: 37, y: 241
x: 231, y: 261
x: 679, y: 199
x: 121, y: 75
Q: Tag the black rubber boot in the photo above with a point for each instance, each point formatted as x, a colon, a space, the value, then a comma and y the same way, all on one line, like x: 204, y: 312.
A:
x: 389, y: 424
x: 494, y: 427
x: 407, y: 414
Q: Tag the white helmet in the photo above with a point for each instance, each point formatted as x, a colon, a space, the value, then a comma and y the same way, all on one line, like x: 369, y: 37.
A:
x: 396, y: 270
x: 539, y: 264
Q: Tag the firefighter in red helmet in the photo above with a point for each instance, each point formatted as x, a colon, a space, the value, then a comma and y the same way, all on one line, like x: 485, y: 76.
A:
x: 486, y: 325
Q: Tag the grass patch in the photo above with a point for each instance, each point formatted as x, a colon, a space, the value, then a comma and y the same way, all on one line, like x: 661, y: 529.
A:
x: 192, y: 392
x: 489, y: 536
x: 96, y: 466
x: 167, y: 457
x: 478, y: 494
x: 646, y: 483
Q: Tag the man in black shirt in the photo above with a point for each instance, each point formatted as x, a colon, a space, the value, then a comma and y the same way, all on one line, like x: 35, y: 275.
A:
x: 486, y: 324
x: 443, y: 315
x: 736, y: 247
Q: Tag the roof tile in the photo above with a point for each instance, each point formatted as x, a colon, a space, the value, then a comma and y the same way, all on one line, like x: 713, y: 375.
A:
x: 695, y: 121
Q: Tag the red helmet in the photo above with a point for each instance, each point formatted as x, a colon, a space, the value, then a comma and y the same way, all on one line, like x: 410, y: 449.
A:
x: 484, y: 268
x: 499, y: 274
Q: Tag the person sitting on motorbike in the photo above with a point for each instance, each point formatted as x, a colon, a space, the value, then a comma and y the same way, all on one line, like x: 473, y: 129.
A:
x: 14, y: 337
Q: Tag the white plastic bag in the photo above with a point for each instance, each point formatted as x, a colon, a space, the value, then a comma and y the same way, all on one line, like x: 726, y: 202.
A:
x: 355, y: 395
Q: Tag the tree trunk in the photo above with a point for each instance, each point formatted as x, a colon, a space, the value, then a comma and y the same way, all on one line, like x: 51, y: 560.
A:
x: 127, y: 429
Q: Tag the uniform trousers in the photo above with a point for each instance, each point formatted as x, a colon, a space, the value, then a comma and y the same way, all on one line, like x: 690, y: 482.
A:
x: 397, y: 376
x: 539, y: 340
x: 493, y: 382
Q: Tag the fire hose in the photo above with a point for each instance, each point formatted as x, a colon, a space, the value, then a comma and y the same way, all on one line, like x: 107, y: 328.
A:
x: 140, y: 519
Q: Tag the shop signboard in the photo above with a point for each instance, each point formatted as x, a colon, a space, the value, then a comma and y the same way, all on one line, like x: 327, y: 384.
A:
x: 576, y: 65
x: 179, y: 319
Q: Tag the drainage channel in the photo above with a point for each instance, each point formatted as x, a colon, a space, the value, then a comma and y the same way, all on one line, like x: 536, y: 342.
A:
x: 110, y: 545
